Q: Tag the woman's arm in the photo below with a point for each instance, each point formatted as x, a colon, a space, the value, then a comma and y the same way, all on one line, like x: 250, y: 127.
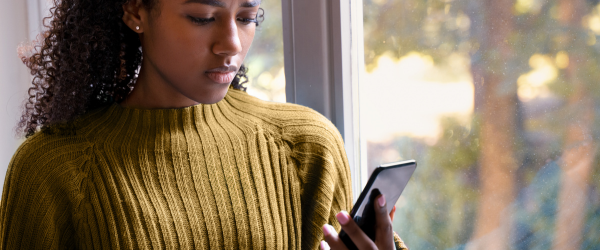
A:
x: 35, y: 211
x: 317, y: 151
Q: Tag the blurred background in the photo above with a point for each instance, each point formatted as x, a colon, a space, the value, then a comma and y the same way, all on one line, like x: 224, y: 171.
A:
x: 497, y: 100
x: 20, y: 22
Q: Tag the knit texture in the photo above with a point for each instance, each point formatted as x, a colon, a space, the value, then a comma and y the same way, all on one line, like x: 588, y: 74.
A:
x: 241, y: 173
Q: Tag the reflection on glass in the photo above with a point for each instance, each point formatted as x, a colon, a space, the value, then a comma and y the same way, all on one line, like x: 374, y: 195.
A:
x: 265, y: 58
x: 499, y: 102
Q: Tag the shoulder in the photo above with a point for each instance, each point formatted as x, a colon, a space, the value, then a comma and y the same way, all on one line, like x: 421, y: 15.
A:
x: 41, y: 158
x: 43, y: 168
x: 297, y: 123
x: 45, y: 157
x: 41, y: 184
x: 50, y: 145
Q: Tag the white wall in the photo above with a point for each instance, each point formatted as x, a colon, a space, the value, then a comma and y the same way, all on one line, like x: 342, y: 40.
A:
x: 14, y: 76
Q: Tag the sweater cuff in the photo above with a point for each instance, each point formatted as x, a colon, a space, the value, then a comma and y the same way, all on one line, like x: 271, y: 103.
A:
x: 399, y: 243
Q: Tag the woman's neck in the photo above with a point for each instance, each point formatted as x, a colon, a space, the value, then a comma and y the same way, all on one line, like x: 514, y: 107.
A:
x: 151, y: 91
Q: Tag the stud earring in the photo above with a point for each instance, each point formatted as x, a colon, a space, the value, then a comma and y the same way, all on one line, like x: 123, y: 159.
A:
x: 137, y: 27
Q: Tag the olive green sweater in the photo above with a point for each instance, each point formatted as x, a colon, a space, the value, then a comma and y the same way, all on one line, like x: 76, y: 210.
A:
x: 241, y: 173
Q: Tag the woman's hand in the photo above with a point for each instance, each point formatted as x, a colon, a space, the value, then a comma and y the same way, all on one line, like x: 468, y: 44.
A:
x: 384, y: 235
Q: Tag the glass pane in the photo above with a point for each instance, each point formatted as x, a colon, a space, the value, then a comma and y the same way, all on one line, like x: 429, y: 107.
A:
x: 265, y: 58
x: 499, y: 103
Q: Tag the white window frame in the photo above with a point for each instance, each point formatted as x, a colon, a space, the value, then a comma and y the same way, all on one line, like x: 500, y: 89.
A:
x: 324, y: 60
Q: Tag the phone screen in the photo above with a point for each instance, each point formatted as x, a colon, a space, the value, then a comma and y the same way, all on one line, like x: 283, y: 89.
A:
x: 390, y: 180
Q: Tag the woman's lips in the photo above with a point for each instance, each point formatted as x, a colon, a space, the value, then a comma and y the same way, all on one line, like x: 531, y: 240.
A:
x: 221, y: 77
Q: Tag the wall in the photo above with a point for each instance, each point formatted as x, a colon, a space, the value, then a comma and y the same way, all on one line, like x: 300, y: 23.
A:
x: 14, y: 76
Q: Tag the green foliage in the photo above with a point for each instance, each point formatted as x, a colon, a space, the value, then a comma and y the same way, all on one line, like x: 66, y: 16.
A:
x: 396, y: 27
x: 440, y: 202
x: 592, y: 225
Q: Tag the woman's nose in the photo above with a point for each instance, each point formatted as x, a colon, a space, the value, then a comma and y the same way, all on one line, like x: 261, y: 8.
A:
x: 227, y: 40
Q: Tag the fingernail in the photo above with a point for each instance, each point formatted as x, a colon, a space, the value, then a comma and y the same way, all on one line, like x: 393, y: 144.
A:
x: 381, y: 201
x: 324, y: 245
x: 343, y: 217
x: 328, y: 230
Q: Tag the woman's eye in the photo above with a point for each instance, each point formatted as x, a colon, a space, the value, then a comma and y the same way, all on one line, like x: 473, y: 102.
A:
x: 201, y: 21
x: 248, y: 20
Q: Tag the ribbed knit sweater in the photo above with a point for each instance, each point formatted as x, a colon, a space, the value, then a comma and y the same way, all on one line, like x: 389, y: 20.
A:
x: 241, y: 173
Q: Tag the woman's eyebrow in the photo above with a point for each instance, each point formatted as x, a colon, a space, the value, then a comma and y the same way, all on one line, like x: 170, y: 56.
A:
x: 218, y: 3
x: 250, y: 4
x: 215, y: 3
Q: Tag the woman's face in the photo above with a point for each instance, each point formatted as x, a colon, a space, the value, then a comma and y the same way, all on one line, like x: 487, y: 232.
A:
x: 196, y: 47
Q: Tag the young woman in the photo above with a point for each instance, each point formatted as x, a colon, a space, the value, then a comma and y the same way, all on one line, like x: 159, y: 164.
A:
x: 148, y: 140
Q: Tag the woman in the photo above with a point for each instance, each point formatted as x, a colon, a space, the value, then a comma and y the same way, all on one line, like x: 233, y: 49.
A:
x: 159, y: 147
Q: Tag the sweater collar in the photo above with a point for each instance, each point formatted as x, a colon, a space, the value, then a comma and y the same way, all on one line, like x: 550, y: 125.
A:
x: 116, y: 119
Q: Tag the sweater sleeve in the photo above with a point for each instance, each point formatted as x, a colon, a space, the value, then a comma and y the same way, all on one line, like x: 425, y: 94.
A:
x: 399, y: 242
x: 35, y: 210
x: 318, y: 150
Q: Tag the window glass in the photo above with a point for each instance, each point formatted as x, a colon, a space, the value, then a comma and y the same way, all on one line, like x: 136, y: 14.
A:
x: 499, y: 103
x: 265, y: 58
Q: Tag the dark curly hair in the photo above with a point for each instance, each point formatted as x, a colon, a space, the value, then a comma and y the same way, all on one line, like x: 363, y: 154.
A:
x: 87, y: 58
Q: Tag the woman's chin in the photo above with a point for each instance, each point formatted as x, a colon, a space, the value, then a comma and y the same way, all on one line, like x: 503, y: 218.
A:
x: 212, y: 97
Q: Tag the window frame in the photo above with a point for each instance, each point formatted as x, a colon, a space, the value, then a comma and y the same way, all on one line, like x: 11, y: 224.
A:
x: 323, y: 48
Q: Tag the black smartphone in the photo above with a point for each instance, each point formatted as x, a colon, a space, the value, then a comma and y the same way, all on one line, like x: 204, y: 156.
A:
x: 389, y: 180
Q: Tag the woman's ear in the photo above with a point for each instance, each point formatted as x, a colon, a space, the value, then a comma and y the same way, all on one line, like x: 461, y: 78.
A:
x: 132, y: 16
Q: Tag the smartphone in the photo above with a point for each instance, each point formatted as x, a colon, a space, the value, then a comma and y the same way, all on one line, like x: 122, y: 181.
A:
x: 389, y: 180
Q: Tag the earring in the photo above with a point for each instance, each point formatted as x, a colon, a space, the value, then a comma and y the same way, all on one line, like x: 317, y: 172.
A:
x: 137, y: 27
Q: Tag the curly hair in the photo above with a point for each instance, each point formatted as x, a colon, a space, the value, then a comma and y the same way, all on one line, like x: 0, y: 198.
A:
x: 87, y: 58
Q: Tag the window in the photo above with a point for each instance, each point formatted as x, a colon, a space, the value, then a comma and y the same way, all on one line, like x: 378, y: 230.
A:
x: 498, y: 101
x: 266, y: 73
